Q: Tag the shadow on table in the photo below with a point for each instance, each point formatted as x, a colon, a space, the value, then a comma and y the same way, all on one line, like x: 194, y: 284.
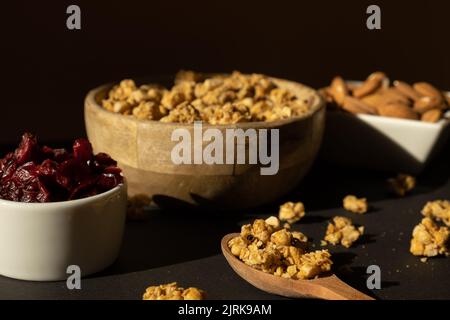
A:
x: 172, y: 236
x: 355, y: 276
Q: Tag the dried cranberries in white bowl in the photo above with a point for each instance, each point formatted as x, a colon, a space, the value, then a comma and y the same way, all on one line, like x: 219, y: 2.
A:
x: 59, y: 209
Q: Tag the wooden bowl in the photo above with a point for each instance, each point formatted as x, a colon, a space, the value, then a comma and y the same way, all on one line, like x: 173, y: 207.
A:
x: 143, y: 150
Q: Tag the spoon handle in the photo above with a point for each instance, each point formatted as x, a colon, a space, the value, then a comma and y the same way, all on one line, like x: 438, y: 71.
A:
x: 333, y: 288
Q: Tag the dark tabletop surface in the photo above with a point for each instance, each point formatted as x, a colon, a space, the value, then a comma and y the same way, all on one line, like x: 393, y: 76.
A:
x: 183, y: 245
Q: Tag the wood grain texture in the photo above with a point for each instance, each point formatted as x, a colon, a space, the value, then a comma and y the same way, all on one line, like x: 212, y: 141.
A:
x: 328, y: 287
x: 143, y: 150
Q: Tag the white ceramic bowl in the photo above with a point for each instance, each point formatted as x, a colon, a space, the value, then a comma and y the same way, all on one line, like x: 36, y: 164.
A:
x: 382, y: 143
x: 38, y: 241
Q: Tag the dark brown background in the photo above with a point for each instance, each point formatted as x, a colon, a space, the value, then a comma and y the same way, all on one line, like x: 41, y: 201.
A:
x: 47, y: 69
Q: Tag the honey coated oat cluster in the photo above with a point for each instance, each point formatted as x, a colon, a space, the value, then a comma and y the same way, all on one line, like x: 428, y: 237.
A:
x: 219, y: 99
x: 171, y: 291
x: 401, y: 184
x: 439, y: 210
x: 429, y: 240
x: 291, y: 212
x: 342, y: 231
x: 356, y: 205
x: 265, y: 246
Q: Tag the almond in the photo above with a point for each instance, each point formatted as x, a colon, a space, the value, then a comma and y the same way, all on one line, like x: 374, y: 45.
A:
x: 372, y: 84
x: 354, y: 105
x: 397, y: 110
x: 326, y: 94
x: 447, y: 98
x: 374, y: 100
x: 432, y: 115
x: 420, y: 101
x: 407, y: 90
x: 352, y: 86
x: 377, y: 76
x: 385, y: 96
x: 338, y: 90
x: 394, y: 95
x: 427, y: 103
x: 426, y: 89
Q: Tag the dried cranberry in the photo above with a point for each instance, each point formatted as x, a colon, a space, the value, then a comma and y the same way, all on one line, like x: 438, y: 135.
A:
x: 10, y: 191
x: 47, y: 152
x: 65, y: 173
x: 48, y: 168
x: 113, y: 170
x: 74, y: 172
x: 60, y: 155
x: 27, y: 150
x: 82, y: 150
x: 108, y: 181
x: 8, y: 166
x: 43, y: 174
x: 84, y: 189
x: 105, y: 160
x: 26, y: 173
x: 44, y: 194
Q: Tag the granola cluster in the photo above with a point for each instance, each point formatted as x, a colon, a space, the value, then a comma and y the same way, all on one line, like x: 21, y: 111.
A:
x: 342, y: 231
x: 439, y: 210
x: 429, y: 240
x: 355, y: 205
x: 171, y: 291
x: 219, y: 99
x: 401, y: 184
x: 265, y: 246
x: 291, y: 212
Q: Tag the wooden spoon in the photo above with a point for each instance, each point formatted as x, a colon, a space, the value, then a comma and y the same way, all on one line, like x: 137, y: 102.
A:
x: 329, y: 287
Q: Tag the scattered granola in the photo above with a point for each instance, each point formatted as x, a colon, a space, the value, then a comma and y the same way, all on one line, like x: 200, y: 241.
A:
x: 354, y: 204
x: 429, y: 240
x: 171, y: 291
x: 401, y: 184
x: 342, y: 231
x: 265, y: 246
x: 291, y: 212
x: 136, y: 206
x: 439, y: 210
x: 299, y: 236
x: 274, y: 222
x: 217, y: 99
